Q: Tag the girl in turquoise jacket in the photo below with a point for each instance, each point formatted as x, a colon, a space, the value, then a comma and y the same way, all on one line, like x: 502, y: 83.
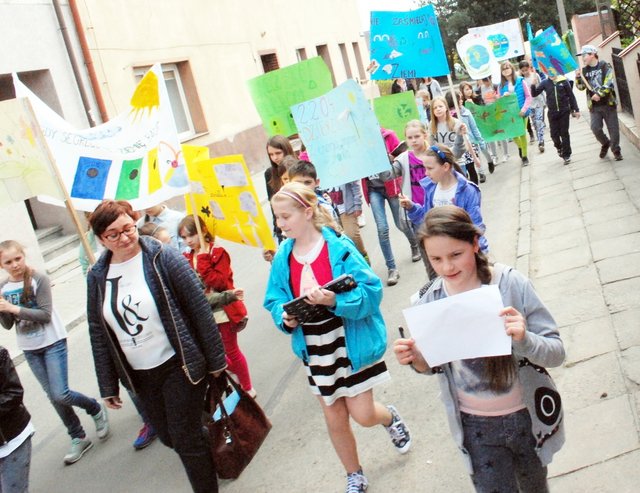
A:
x: 342, y: 347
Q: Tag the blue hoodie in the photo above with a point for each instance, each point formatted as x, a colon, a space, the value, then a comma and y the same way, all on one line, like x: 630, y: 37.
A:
x: 365, y: 331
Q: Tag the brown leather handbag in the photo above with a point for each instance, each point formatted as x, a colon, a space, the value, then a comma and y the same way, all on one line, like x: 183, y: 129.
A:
x: 237, y: 426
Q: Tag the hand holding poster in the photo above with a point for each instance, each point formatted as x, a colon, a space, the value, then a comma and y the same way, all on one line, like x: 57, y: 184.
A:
x: 394, y: 111
x: 136, y: 156
x: 342, y: 135
x: 226, y: 199
x: 407, y: 45
x: 25, y: 167
x: 504, y: 38
x: 552, y: 54
x: 500, y: 120
x: 275, y: 92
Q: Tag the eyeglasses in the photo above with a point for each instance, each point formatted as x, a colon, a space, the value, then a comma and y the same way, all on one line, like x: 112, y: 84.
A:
x: 128, y: 230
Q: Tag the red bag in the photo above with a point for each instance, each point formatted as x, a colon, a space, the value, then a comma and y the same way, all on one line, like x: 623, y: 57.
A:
x: 393, y: 187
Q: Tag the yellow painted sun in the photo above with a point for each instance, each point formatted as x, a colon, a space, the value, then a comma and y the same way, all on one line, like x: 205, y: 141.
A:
x: 146, y: 96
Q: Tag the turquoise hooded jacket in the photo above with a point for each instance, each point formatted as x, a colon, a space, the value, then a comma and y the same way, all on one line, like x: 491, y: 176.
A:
x: 365, y: 331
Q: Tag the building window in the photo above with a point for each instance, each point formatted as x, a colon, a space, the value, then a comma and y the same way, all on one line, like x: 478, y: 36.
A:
x: 345, y: 60
x: 183, y: 97
x: 323, y: 51
x: 301, y: 54
x: 269, y: 62
x: 356, y: 51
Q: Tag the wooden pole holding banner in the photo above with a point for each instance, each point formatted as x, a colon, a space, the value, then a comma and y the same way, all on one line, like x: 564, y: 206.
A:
x: 196, y: 218
x: 67, y: 198
x: 467, y: 142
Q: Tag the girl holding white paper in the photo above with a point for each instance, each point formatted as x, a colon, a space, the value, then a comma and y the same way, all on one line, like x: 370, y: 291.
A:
x: 342, y: 352
x: 504, y: 412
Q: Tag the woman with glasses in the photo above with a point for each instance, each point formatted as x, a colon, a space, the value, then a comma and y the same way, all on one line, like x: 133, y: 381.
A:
x: 152, y: 328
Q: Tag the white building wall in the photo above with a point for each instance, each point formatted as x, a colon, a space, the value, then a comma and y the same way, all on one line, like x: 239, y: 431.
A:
x: 222, y: 40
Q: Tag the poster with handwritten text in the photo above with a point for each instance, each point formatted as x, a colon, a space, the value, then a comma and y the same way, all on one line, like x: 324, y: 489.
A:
x: 275, y: 92
x: 342, y: 135
x: 407, y: 45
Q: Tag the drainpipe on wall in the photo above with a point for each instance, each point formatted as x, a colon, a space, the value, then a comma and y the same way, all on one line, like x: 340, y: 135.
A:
x: 74, y: 63
x: 88, y: 60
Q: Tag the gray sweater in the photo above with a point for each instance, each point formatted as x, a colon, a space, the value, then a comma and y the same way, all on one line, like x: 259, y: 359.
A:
x: 541, y: 347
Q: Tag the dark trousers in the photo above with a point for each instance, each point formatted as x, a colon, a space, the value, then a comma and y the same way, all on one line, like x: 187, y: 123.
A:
x: 609, y: 115
x: 502, y: 452
x: 559, y: 129
x: 174, y: 406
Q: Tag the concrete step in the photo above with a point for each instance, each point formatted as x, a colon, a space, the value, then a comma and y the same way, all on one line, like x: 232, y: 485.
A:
x: 46, y: 234
x: 63, y: 263
x: 55, y: 246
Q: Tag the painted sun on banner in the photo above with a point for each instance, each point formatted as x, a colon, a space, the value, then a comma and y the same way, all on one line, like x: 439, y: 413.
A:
x: 136, y: 156
x: 226, y: 199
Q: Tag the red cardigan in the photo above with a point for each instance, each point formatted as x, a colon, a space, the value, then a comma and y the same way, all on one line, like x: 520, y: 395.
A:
x: 215, y: 271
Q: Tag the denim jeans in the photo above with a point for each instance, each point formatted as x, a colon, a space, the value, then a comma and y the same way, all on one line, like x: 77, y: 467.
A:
x: 175, y: 406
x: 14, y: 469
x: 502, y: 452
x: 377, y: 199
x: 49, y: 365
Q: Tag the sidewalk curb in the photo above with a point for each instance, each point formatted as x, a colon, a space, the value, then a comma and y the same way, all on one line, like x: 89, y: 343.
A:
x: 523, y: 251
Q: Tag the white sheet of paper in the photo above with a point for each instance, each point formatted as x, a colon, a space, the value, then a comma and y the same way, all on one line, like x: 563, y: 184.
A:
x: 462, y: 326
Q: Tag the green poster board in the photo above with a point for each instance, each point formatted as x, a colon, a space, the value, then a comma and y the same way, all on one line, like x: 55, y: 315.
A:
x: 500, y: 120
x: 394, y: 111
x: 275, y: 92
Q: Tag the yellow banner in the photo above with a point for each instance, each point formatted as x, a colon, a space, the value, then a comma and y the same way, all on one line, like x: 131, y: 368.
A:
x: 226, y: 199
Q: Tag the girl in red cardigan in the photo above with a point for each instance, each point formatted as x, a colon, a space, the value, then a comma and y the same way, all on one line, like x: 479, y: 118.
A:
x: 213, y: 265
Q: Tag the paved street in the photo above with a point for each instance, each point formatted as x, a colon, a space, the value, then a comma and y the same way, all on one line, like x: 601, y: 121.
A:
x: 574, y: 229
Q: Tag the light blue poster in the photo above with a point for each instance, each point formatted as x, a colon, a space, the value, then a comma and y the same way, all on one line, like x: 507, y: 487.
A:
x: 553, y: 56
x: 342, y: 135
x: 407, y: 45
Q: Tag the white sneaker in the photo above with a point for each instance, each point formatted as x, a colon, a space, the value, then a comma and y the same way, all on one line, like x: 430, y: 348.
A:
x: 78, y: 448
x: 102, y: 422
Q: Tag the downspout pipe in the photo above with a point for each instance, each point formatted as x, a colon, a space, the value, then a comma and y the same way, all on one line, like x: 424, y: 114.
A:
x: 72, y: 59
x: 88, y: 60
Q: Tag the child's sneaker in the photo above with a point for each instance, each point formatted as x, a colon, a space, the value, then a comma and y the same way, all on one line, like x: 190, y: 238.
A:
x: 78, y: 447
x: 146, y: 435
x: 398, y: 431
x: 356, y: 482
x: 102, y: 422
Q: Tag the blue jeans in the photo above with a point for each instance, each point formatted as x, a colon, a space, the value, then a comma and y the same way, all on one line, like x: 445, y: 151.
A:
x: 14, y: 469
x: 175, y: 406
x: 49, y: 365
x: 502, y: 452
x: 376, y: 199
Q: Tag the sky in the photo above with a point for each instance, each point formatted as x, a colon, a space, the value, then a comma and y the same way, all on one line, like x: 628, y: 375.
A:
x: 366, y: 6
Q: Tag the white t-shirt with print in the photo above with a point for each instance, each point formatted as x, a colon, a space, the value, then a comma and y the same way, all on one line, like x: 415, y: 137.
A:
x: 131, y: 313
x: 444, y: 196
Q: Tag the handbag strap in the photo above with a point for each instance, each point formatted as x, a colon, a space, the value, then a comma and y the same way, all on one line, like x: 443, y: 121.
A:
x: 216, y: 393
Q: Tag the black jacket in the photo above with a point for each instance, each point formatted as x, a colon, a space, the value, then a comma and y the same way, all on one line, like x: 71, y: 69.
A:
x: 559, y: 94
x: 185, y: 313
x: 14, y: 417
